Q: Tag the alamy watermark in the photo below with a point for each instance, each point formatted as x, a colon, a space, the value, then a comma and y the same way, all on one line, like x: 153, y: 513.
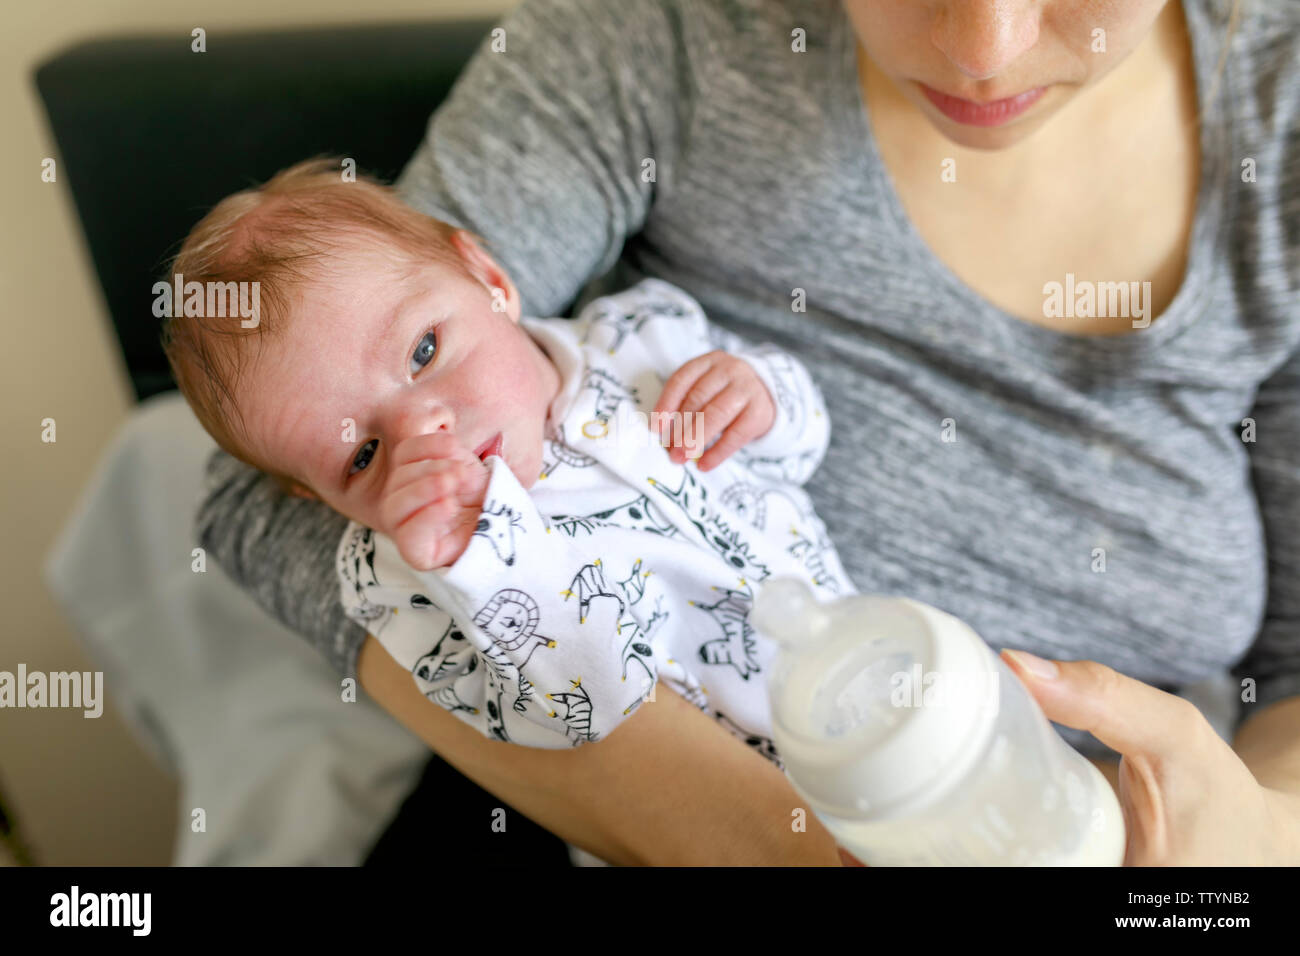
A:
x: 75, y: 908
x: 209, y: 300
x: 55, y: 689
x: 669, y: 429
x: 962, y: 690
x: 1083, y: 299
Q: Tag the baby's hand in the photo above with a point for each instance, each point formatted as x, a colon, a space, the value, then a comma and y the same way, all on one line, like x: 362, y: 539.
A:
x: 728, y: 394
x: 432, y: 499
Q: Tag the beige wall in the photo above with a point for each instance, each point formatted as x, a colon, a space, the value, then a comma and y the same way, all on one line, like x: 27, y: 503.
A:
x: 82, y: 791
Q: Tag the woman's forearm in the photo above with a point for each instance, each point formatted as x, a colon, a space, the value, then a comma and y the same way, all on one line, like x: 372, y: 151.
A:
x: 669, y: 787
x: 280, y: 550
x: 1269, y: 744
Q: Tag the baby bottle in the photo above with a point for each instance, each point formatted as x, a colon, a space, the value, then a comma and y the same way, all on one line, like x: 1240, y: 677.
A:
x: 917, y: 746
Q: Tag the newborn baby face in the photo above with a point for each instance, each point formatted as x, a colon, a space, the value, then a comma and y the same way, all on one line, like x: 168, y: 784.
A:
x: 400, y: 351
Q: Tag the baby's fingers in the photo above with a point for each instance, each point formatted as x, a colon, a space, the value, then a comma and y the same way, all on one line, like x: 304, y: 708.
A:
x: 439, y: 484
x: 704, y: 412
x: 474, y: 478
x: 713, y: 416
x: 431, y: 446
x: 422, y: 538
x: 455, y: 537
x: 744, y: 429
x: 679, y: 383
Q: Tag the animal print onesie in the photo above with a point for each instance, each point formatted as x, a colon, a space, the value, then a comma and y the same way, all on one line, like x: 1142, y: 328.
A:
x: 617, y: 568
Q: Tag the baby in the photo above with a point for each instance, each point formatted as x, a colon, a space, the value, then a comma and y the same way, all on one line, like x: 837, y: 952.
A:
x: 548, y: 516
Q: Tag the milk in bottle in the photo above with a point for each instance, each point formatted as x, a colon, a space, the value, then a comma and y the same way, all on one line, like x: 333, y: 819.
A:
x: 916, y: 745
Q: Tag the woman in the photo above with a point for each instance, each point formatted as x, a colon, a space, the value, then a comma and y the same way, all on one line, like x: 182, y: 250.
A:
x: 1043, y: 257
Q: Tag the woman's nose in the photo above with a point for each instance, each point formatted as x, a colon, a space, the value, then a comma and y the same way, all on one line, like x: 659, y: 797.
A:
x: 983, y: 37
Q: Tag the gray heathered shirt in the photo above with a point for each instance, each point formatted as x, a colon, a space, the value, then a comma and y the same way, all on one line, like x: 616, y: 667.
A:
x: 767, y: 180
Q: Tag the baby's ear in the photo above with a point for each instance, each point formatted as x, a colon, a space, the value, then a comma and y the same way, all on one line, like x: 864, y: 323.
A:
x: 301, y: 491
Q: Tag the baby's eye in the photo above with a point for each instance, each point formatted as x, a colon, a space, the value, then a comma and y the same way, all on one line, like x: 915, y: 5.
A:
x: 424, y: 351
x: 364, y: 456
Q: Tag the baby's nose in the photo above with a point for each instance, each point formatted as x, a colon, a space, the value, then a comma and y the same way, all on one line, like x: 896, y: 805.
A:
x: 425, y: 420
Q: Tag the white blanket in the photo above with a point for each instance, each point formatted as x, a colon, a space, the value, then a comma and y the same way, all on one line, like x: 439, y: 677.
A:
x: 242, y: 710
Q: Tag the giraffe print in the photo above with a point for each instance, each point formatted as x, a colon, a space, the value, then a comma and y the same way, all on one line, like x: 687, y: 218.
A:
x: 498, y: 524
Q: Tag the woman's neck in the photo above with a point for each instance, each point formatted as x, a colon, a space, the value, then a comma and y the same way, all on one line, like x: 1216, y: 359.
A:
x: 1105, y: 188
x: 1097, y: 123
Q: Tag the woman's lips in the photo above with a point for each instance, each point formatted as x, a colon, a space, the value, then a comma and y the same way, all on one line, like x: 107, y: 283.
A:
x: 490, y: 447
x: 994, y: 113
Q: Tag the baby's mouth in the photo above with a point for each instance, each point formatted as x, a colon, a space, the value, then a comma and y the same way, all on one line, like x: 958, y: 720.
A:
x: 492, y: 446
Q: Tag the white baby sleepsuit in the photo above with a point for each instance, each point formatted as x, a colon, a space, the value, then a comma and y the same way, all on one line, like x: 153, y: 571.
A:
x: 617, y: 568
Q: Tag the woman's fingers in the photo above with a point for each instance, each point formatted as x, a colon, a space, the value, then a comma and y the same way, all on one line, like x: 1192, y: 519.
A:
x: 1187, y: 796
x: 1125, y: 714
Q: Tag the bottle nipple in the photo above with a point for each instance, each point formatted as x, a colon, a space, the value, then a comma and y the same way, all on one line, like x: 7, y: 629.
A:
x: 786, y: 611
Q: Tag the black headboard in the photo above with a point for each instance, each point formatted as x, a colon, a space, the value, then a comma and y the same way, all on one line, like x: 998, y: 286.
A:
x: 151, y: 135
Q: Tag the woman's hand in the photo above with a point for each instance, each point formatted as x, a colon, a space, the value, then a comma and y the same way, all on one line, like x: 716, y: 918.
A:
x: 1188, y: 799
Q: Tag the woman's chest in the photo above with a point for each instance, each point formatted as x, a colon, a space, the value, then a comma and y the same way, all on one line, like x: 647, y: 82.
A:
x: 1052, y: 252
x: 1131, y: 529
x: 828, y: 221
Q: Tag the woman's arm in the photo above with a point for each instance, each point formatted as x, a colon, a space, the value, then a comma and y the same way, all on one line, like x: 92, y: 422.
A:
x: 279, y: 549
x: 544, y: 144
x: 541, y: 149
x: 662, y: 789
x: 1268, y: 737
x: 1269, y: 744
x: 670, y: 787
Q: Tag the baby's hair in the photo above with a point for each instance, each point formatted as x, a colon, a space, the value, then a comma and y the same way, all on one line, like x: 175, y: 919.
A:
x: 282, y: 235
